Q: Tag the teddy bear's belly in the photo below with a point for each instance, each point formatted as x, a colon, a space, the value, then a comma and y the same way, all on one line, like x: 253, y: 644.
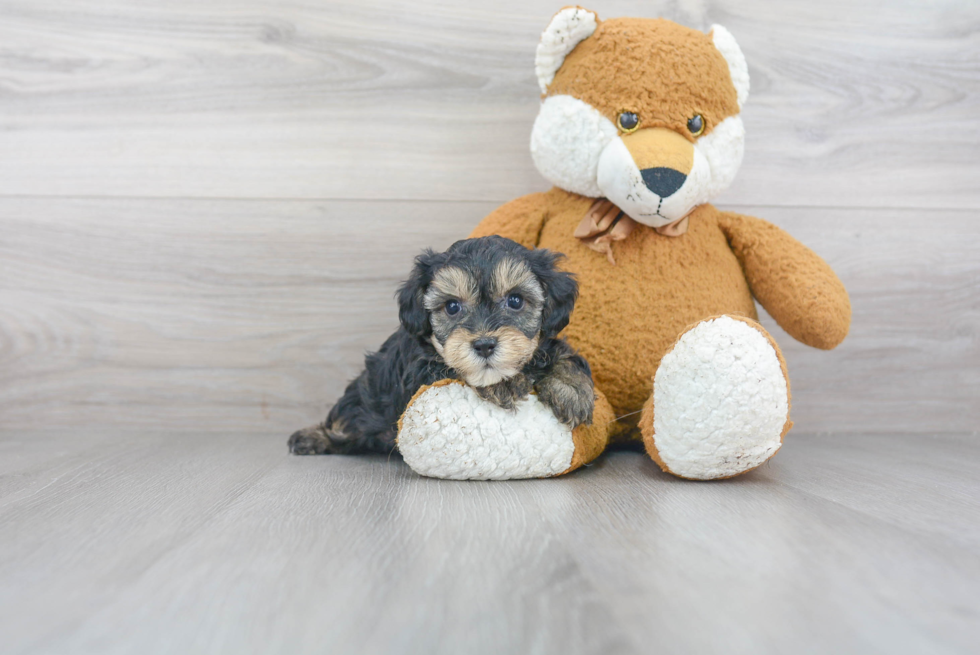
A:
x: 628, y: 315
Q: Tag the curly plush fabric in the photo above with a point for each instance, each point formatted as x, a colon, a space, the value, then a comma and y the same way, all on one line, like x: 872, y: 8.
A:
x: 565, y: 31
x: 449, y: 432
x: 794, y: 285
x: 680, y: 73
x: 667, y: 320
x: 722, y: 401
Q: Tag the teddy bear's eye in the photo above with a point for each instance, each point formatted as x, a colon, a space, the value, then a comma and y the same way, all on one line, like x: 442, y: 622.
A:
x: 628, y: 121
x: 696, y: 125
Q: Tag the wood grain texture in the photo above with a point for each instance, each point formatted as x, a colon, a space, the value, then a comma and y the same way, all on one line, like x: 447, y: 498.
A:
x: 221, y: 315
x: 226, y: 544
x: 868, y: 104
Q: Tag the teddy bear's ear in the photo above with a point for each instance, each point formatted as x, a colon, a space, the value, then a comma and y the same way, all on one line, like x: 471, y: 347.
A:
x: 739, y: 70
x: 567, y: 29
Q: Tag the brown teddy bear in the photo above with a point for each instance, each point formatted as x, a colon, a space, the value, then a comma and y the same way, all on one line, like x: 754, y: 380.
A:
x: 639, y: 129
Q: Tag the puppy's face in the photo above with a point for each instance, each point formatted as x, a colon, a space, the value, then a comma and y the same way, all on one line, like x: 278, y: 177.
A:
x: 487, y: 304
x: 486, y: 320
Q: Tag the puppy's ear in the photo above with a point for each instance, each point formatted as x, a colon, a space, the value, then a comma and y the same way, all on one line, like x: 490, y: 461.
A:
x: 560, y: 290
x: 411, y: 294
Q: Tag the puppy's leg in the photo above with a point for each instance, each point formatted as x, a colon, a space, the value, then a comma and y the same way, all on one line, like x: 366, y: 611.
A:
x: 324, y: 438
x: 365, y: 419
x: 350, y: 426
x: 568, y: 391
x: 566, y: 387
x: 312, y: 440
x: 507, y: 392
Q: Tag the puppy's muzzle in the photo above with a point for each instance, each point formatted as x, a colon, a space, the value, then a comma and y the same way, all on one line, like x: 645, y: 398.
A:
x: 484, y: 346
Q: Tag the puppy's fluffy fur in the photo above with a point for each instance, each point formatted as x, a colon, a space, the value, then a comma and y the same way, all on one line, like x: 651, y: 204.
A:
x: 487, y: 311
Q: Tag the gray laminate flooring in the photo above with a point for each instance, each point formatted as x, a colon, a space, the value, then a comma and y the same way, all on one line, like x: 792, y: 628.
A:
x: 183, y: 543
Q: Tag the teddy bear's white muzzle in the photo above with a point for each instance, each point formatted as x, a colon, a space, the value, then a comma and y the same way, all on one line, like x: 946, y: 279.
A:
x: 655, y: 196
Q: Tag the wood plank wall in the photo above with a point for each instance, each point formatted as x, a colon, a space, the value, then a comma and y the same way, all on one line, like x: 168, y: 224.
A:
x: 206, y: 207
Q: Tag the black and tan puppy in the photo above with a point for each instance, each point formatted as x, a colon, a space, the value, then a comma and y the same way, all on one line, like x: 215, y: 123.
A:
x: 487, y: 311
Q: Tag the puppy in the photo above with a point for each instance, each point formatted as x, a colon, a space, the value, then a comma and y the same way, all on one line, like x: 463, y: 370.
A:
x: 487, y: 311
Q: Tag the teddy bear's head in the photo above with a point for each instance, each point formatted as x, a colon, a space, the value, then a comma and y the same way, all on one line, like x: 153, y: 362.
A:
x: 644, y: 112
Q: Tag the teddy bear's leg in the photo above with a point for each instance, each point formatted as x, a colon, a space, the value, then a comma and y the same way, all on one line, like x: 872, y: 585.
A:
x: 448, y: 431
x: 720, y: 402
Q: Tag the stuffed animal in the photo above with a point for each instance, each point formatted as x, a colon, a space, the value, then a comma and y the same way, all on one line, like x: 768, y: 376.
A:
x: 639, y: 128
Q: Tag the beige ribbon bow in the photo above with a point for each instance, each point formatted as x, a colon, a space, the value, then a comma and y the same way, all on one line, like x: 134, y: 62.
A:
x: 605, y: 223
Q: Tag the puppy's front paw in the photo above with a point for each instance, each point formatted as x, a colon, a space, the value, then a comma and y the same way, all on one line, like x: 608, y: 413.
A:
x: 571, y: 398
x: 318, y: 440
x: 309, y: 441
x: 506, y: 393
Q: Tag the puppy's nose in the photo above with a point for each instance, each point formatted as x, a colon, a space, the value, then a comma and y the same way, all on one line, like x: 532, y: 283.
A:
x: 663, y: 181
x: 484, y: 346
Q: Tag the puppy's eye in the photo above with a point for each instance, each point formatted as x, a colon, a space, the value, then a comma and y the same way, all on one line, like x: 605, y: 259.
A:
x: 514, y: 301
x: 628, y: 121
x: 696, y: 125
x: 453, y: 307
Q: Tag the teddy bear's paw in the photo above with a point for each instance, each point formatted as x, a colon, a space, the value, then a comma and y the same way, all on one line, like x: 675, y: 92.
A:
x: 720, y: 401
x: 448, y: 431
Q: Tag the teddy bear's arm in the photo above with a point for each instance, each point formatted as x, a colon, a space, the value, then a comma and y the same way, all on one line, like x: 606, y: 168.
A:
x: 796, y: 286
x: 520, y: 219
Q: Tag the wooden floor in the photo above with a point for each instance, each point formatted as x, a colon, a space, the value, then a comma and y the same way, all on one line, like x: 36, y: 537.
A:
x: 226, y: 544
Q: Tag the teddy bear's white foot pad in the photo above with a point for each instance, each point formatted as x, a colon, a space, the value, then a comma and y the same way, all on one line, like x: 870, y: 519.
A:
x: 448, y: 431
x: 721, y: 401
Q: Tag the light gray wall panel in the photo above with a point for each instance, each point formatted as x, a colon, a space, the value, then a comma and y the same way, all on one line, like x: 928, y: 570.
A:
x: 864, y: 104
x: 205, y: 207
x: 214, y: 315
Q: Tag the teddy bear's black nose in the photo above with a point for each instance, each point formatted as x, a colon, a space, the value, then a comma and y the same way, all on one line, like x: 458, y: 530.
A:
x: 663, y: 181
x: 484, y: 346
